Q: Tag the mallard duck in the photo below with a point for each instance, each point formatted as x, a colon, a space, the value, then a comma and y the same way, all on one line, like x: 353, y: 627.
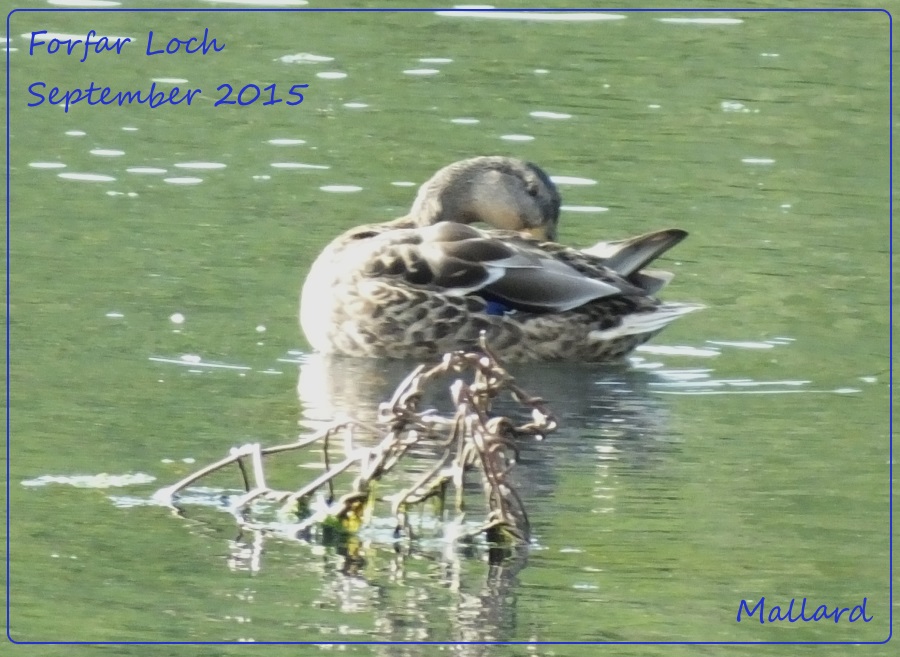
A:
x: 430, y: 282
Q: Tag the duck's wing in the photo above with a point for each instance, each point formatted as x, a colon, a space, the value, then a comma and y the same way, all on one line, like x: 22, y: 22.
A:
x: 456, y: 260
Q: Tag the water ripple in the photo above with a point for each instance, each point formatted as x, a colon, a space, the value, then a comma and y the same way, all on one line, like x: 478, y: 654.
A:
x: 485, y: 11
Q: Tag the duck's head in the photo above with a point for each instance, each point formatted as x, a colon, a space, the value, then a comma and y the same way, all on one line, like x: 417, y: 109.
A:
x: 504, y: 192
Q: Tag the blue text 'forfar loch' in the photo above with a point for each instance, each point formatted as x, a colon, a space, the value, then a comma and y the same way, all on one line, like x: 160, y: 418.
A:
x: 92, y: 43
x: 794, y: 612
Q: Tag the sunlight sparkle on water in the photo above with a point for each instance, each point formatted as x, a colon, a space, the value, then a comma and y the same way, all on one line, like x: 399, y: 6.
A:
x: 102, y: 480
x: 551, y: 115
x: 195, y: 361
x: 673, y: 350
x: 298, y: 165
x: 572, y: 180
x: 199, y: 165
x: 304, y: 58
x: 741, y: 345
x: 340, y: 188
x: 734, y: 106
x: 87, y: 177
x: 145, y: 170
x: 584, y: 208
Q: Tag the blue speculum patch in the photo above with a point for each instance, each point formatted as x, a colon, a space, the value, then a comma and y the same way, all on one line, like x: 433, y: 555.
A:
x: 497, y: 308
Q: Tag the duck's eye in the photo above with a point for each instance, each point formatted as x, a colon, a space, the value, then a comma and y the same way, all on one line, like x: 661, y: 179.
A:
x: 532, y: 190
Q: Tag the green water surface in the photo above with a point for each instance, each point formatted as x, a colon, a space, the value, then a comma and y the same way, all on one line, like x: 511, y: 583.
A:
x: 743, y: 454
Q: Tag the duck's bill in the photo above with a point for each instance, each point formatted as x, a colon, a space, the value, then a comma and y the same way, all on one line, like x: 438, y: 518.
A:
x: 538, y: 232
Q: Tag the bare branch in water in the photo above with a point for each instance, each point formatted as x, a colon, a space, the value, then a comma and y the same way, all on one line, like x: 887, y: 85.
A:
x: 471, y: 439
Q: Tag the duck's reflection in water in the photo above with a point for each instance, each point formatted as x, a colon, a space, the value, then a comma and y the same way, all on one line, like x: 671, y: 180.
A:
x: 606, y: 414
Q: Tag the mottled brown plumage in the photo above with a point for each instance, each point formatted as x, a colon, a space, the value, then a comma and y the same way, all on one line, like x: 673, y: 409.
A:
x: 429, y: 282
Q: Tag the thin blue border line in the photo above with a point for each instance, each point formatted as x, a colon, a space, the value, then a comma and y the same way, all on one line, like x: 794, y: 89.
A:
x: 512, y: 643
x: 369, y: 10
x: 7, y: 326
x: 891, y: 323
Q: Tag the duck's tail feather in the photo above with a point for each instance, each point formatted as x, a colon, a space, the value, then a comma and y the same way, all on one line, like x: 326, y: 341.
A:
x: 627, y: 257
x: 646, y: 322
x: 651, y: 281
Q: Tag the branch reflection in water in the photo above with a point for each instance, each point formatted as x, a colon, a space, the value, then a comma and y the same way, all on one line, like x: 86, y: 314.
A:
x: 606, y: 414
